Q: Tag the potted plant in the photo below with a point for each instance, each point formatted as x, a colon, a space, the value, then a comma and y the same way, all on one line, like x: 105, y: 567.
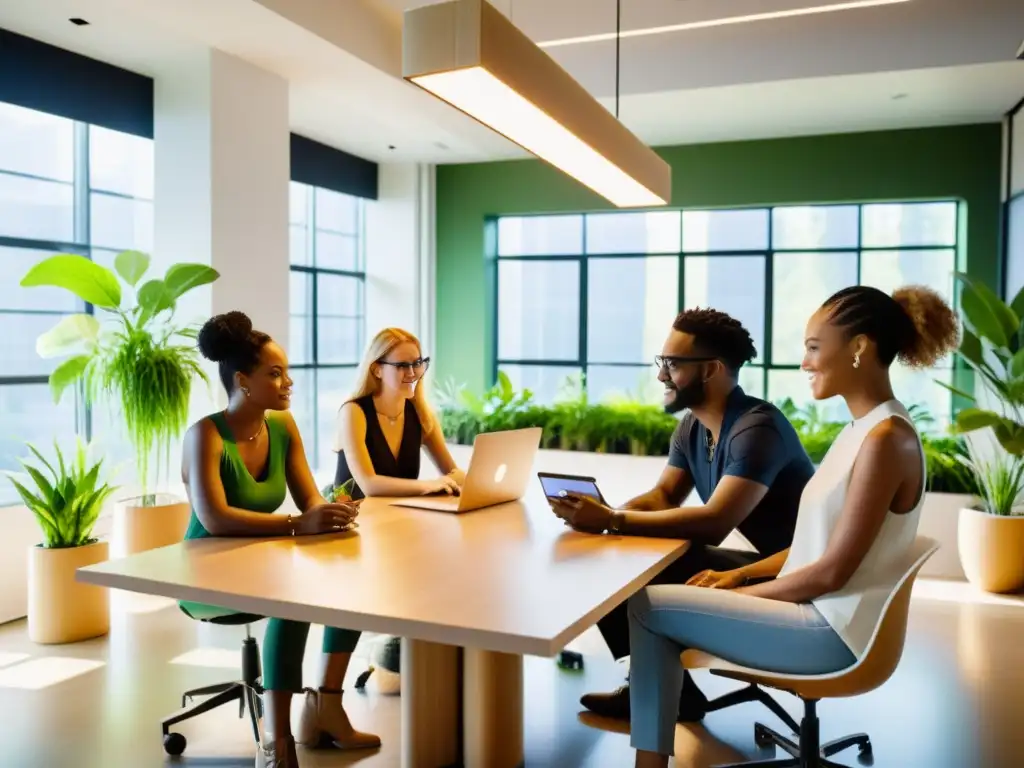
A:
x: 140, y: 360
x: 66, y: 505
x: 989, y: 537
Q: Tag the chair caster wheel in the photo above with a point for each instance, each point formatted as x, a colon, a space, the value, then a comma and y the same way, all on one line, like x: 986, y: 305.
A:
x: 762, y: 738
x: 174, y: 744
x: 865, y: 749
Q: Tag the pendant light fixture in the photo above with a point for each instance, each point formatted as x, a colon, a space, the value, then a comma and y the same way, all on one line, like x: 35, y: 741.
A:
x: 466, y: 53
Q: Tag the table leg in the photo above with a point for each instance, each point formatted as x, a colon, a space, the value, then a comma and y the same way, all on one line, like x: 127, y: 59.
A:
x: 430, y: 704
x: 492, y: 709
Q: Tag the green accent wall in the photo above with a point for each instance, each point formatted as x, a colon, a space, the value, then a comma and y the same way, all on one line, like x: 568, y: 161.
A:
x: 949, y: 162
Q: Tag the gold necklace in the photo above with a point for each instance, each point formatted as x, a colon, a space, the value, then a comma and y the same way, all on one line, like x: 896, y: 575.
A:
x: 392, y: 419
x: 263, y: 423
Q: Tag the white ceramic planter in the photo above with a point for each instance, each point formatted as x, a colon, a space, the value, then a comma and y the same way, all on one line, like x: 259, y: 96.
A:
x: 60, y: 608
x: 939, y: 520
x: 140, y: 528
x: 991, y: 550
x: 20, y: 534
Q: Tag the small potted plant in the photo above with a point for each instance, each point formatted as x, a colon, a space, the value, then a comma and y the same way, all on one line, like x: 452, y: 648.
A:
x: 66, y: 504
x: 139, y: 359
x: 990, y: 536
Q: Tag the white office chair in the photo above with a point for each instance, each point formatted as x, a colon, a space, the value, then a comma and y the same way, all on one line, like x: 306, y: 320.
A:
x: 869, y: 672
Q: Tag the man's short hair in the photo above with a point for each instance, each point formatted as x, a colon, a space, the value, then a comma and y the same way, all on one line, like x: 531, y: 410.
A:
x: 717, y: 334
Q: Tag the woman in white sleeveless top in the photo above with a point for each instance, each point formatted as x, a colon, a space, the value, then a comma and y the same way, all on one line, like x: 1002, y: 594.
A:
x: 810, y: 609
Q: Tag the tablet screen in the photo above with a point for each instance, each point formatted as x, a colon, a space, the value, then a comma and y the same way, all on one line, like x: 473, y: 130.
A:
x: 557, y: 486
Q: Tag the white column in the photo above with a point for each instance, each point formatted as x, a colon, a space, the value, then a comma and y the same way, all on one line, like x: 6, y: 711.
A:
x: 221, y: 189
x: 400, y: 252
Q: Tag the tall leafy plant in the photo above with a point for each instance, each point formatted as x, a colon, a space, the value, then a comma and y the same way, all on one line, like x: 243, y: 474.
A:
x: 134, y: 354
x: 993, y: 346
x: 68, y: 502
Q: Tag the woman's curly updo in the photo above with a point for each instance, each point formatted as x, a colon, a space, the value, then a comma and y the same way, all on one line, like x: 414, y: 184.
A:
x: 230, y: 341
x: 914, y: 324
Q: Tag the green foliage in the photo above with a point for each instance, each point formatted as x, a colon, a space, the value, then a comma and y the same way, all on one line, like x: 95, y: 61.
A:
x: 1000, y: 478
x: 946, y: 471
x: 815, y: 431
x: 572, y: 423
x: 627, y: 425
x: 67, y: 504
x: 993, y: 347
x: 137, y: 358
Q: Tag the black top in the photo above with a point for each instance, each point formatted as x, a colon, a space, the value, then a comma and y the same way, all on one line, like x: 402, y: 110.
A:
x: 757, y: 443
x: 407, y: 464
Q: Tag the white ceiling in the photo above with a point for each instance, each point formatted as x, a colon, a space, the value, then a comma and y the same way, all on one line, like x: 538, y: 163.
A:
x: 948, y: 61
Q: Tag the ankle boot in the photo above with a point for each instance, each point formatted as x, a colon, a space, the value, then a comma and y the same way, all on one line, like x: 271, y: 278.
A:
x: 325, y: 724
x: 269, y: 756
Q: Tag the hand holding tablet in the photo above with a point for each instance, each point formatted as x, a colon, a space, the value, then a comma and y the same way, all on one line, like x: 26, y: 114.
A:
x: 560, y: 486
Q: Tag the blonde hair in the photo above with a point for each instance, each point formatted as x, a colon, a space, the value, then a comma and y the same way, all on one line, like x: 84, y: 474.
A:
x: 378, y: 348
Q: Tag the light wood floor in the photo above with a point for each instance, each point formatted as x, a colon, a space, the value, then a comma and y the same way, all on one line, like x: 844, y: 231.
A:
x: 956, y: 702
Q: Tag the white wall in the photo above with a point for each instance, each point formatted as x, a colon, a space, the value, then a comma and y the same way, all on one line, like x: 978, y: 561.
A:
x: 221, y: 198
x: 400, y: 253
x: 250, y: 171
x: 221, y: 153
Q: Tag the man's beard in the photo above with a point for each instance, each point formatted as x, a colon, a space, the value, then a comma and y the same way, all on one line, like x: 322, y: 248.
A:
x: 688, y: 396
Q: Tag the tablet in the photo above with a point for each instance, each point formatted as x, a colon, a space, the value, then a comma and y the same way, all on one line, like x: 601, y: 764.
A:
x: 558, y: 485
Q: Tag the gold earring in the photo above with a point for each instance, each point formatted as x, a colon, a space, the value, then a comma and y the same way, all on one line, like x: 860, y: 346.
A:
x: 856, y: 360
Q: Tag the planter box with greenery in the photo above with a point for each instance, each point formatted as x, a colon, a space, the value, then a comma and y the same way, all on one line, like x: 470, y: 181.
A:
x: 66, y: 506
x: 623, y: 426
x: 140, y: 361
x: 991, y: 534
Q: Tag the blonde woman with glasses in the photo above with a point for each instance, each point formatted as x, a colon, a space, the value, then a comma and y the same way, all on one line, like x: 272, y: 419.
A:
x: 381, y: 431
x: 387, y: 421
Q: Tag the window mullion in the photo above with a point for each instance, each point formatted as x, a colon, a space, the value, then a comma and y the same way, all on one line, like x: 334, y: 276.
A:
x: 82, y: 235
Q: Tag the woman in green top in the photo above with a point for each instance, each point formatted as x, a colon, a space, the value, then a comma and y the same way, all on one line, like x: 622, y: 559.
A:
x: 238, y: 466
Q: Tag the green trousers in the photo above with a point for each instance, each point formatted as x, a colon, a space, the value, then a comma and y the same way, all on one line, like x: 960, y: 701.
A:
x: 284, y: 646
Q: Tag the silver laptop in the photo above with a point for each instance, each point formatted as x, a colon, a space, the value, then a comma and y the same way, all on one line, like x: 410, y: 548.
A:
x: 499, y: 470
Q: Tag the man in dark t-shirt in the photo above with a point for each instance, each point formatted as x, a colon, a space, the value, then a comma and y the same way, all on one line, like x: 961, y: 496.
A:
x: 741, y: 456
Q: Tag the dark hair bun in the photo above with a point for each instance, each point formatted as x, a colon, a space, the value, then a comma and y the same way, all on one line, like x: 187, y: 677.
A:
x: 222, y: 335
x: 936, y: 330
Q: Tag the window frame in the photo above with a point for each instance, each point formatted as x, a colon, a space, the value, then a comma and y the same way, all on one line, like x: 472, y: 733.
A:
x: 766, y: 363
x: 313, y: 442
x: 81, y: 244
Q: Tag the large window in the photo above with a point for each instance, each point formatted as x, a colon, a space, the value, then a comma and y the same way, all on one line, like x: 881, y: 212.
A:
x: 64, y: 187
x: 327, y: 295
x: 595, y: 294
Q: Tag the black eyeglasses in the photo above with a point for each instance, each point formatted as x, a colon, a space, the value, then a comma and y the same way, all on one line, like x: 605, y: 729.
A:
x: 419, y: 365
x: 673, y: 362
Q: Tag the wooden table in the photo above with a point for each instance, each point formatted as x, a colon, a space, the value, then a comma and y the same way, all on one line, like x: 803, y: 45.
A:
x: 472, y: 592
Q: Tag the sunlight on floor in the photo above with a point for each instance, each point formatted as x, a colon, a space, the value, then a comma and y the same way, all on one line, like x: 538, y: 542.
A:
x: 42, y: 673
x: 6, y: 659
x: 962, y: 592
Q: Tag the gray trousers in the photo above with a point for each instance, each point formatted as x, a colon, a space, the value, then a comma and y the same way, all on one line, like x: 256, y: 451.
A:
x: 765, y: 634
